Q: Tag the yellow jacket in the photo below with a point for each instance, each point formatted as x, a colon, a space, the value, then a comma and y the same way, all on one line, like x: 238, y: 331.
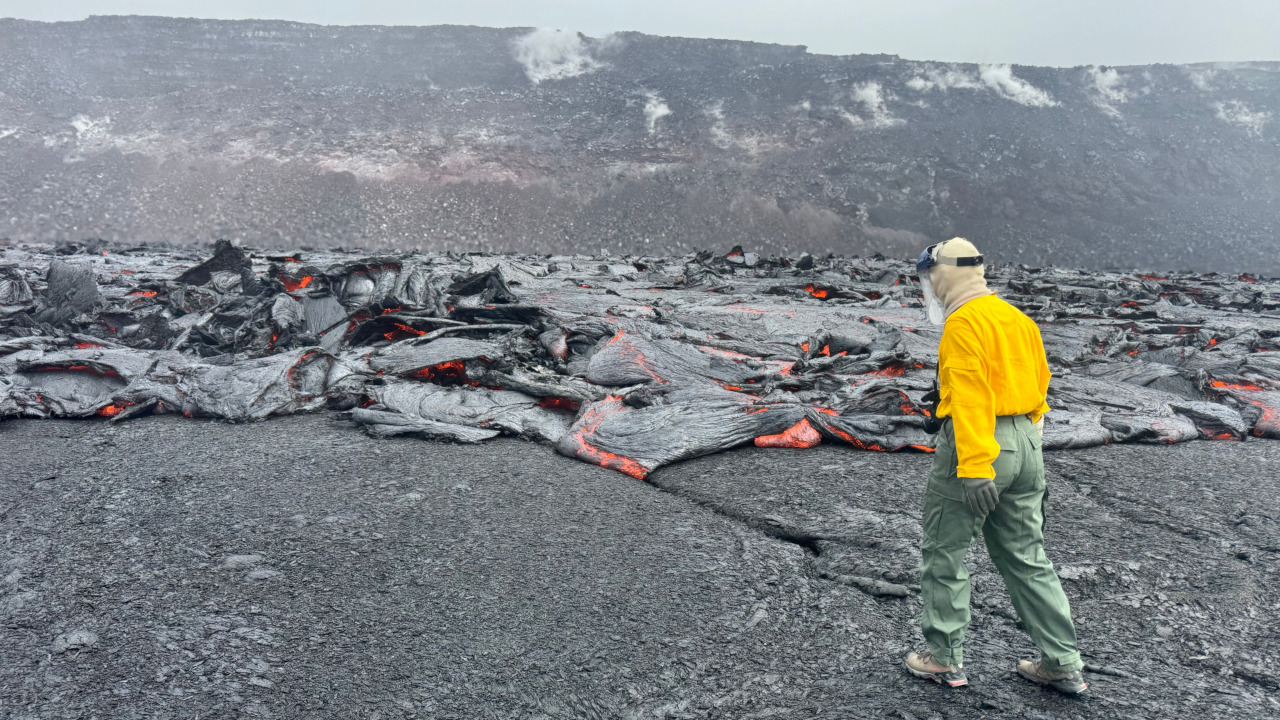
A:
x: 991, y: 362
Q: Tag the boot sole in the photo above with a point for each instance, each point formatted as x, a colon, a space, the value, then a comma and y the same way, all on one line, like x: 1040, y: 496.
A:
x: 1065, y: 690
x: 935, y: 677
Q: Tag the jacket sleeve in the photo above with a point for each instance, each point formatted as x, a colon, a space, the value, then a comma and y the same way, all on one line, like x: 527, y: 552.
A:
x: 1044, y: 375
x: 963, y: 379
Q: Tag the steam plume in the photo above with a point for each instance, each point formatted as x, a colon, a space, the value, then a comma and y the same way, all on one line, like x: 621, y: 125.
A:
x: 1238, y: 114
x: 655, y: 108
x: 548, y: 54
x: 1001, y: 79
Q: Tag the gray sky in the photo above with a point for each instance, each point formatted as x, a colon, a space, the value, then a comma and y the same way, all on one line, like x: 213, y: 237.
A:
x: 1032, y: 32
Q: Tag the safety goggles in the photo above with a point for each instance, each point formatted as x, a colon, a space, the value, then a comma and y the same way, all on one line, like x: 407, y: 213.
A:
x: 928, y: 258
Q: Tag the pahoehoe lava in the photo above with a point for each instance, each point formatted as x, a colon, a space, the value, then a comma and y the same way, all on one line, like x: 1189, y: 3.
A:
x: 631, y: 363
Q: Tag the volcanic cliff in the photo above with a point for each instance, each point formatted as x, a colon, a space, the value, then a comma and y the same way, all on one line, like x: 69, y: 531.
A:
x: 144, y: 129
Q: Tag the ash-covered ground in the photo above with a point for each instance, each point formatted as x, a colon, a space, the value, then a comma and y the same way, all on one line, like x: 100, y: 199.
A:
x: 296, y: 568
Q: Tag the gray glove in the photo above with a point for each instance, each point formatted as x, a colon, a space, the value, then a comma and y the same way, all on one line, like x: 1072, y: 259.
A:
x: 981, y: 494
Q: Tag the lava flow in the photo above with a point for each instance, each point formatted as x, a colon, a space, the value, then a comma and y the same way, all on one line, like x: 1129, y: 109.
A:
x: 559, y: 403
x: 402, y: 331
x: 800, y: 435
x: 294, y: 285
x: 820, y: 293
x: 584, y: 450
x: 453, y: 372
x: 113, y: 410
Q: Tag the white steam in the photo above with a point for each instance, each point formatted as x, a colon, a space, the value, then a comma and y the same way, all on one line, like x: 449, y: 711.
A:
x: 720, y: 135
x: 998, y: 78
x: 1109, y: 90
x: 548, y: 54
x: 753, y: 143
x: 1202, y: 79
x: 655, y: 108
x: 871, y: 96
x: 1109, y: 84
x: 943, y: 80
x: 1238, y: 114
x: 1001, y: 79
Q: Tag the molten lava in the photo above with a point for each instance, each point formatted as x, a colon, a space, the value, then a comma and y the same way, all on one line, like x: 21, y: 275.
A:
x: 559, y: 403
x: 891, y: 371
x: 401, y: 330
x: 113, y: 410
x: 83, y: 345
x: 820, y: 293
x: 292, y: 285
x: 855, y: 441
x: 108, y: 372
x: 1237, y: 386
x: 800, y: 435
x: 453, y: 372
x: 592, y: 454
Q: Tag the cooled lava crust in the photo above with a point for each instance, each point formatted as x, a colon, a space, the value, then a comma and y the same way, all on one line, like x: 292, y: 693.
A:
x: 630, y: 363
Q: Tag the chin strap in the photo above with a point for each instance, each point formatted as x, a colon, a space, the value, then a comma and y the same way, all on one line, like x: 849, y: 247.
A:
x: 971, y: 261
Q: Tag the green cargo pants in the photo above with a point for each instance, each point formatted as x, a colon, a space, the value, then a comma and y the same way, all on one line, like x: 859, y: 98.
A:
x: 1015, y: 541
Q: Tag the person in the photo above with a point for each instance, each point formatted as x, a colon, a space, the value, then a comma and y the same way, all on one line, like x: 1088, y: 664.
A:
x: 987, y: 474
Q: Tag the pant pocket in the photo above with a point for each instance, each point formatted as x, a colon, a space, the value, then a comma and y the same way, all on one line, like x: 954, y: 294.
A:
x: 949, y: 522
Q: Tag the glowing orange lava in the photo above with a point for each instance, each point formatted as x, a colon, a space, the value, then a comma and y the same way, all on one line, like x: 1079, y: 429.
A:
x: 1237, y: 386
x: 83, y: 345
x: 108, y: 372
x: 855, y: 441
x: 144, y: 293
x: 453, y: 372
x: 113, y: 410
x: 891, y: 371
x: 800, y: 435
x: 592, y: 454
x: 401, y: 331
x: 559, y: 403
x: 819, y: 293
x: 291, y: 285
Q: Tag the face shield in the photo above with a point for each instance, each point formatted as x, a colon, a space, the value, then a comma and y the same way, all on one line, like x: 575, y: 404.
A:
x: 927, y: 260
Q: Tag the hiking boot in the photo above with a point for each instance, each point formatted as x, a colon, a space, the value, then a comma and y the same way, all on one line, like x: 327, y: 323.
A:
x: 923, y: 665
x: 1070, y: 683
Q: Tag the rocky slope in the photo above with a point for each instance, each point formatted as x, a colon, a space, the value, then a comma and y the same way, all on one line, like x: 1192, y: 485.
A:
x: 451, y: 138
